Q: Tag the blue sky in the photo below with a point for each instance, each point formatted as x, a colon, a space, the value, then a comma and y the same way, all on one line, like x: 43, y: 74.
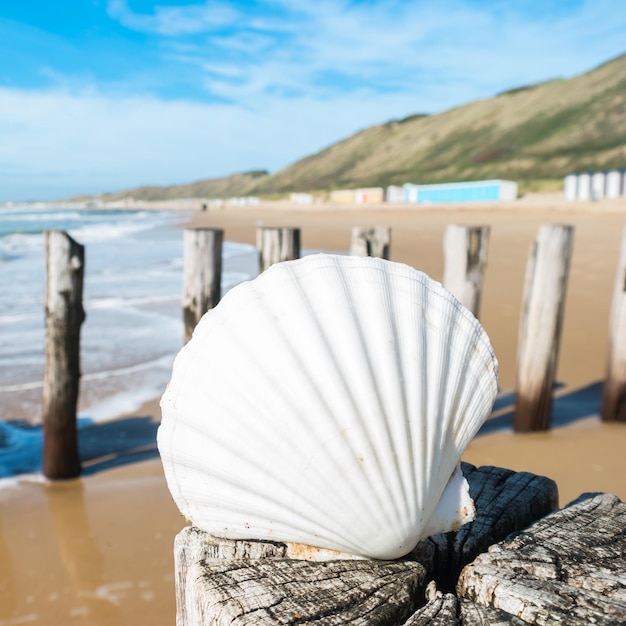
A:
x: 105, y: 95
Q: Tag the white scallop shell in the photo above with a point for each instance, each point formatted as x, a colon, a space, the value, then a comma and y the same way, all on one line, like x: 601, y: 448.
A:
x: 328, y: 402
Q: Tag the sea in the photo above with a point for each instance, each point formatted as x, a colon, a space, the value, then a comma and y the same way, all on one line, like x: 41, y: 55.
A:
x: 132, y: 298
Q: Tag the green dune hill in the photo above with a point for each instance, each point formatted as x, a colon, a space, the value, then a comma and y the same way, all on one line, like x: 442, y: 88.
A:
x: 534, y: 135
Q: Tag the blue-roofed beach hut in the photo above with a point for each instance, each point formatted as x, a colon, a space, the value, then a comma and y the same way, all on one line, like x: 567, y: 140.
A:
x: 473, y: 191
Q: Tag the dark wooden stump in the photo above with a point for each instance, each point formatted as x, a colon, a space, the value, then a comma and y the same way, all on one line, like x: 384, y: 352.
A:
x: 445, y: 609
x: 440, y: 610
x: 505, y: 501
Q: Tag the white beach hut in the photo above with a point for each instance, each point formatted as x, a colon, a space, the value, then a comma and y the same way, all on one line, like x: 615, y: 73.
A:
x: 598, y: 183
x: 410, y: 192
x: 301, y: 198
x: 394, y: 194
x: 584, y: 186
x: 613, y: 184
x: 570, y: 187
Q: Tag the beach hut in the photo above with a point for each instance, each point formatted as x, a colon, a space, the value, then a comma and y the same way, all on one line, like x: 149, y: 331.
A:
x: 473, y: 191
x: 613, y: 184
x: 410, y: 193
x: 570, y: 187
x: 342, y: 196
x: 584, y: 186
x: 598, y: 183
x: 369, y: 195
x: 301, y: 198
x: 394, y: 194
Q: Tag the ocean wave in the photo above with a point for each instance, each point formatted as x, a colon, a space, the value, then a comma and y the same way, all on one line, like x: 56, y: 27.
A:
x: 24, y: 230
x: 164, y: 361
x: 39, y: 216
x: 232, y: 248
x: 119, y: 303
x: 20, y: 317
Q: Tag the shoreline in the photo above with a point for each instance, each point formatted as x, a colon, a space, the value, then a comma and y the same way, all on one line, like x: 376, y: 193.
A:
x: 554, y: 201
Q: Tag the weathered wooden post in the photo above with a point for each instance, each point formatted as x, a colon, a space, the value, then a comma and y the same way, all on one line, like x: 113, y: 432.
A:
x: 465, y: 259
x: 202, y: 274
x: 276, y: 245
x: 614, y: 393
x: 65, y: 262
x: 374, y: 241
x: 541, y: 322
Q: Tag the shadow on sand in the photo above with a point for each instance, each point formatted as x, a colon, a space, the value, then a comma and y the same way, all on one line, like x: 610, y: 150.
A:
x: 113, y: 444
x: 566, y: 408
x: 102, y: 446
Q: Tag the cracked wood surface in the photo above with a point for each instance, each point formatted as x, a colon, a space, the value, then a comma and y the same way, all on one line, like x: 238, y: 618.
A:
x: 567, y: 568
x: 288, y: 591
x: 447, y: 610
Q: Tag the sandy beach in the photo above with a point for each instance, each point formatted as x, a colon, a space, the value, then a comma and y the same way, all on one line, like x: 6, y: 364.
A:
x: 98, y: 550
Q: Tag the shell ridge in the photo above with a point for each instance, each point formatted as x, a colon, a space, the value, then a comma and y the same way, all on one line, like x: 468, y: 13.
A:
x: 406, y: 350
x: 262, y: 369
x: 193, y: 463
x: 255, y: 513
x: 479, y: 400
x: 309, y: 309
x: 435, y: 355
x: 268, y: 309
x: 393, y: 514
x: 464, y: 331
x: 390, y: 520
x: 405, y: 443
x: 450, y: 393
x: 357, y: 402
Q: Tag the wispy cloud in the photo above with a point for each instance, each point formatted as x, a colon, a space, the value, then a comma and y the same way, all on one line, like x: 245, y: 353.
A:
x: 92, y: 142
x: 175, y: 21
x: 333, y: 47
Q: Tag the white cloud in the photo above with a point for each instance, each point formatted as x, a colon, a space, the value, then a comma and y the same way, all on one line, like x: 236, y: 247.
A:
x: 58, y: 143
x: 174, y: 21
x: 327, y: 47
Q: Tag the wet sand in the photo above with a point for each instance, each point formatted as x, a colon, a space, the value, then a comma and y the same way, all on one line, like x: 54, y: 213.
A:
x: 98, y: 550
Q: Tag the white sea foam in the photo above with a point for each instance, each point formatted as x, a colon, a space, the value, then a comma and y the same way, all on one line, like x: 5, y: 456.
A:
x: 117, y: 303
x: 9, y: 483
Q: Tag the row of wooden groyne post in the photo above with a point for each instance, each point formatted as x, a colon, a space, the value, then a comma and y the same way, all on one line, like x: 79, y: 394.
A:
x: 465, y: 253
